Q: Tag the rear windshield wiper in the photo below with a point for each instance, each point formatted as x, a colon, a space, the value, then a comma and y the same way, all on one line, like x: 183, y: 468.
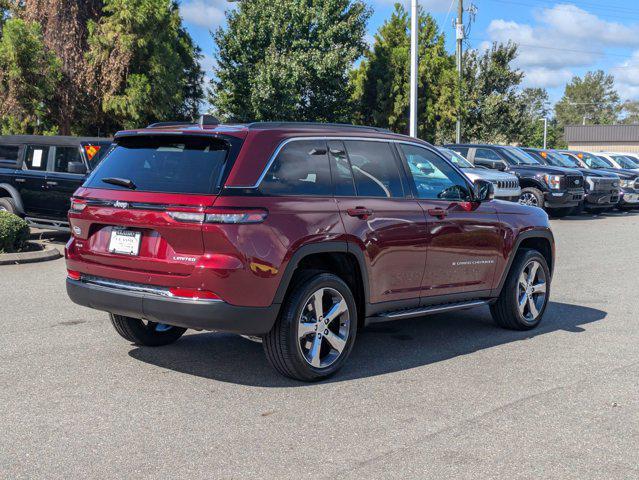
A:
x: 122, y: 182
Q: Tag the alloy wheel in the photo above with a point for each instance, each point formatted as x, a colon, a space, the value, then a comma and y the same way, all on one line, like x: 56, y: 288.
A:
x: 531, y: 291
x: 323, y: 328
x: 528, y: 198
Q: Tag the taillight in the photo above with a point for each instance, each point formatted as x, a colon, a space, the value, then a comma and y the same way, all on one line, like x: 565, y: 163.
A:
x: 77, y: 205
x: 221, y: 216
x: 193, y: 294
x: 73, y: 275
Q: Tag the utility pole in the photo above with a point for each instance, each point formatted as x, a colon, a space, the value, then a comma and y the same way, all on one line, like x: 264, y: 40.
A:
x: 414, y: 66
x: 459, y: 30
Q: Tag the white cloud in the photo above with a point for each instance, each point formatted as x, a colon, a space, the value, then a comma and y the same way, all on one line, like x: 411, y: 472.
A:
x: 627, y: 77
x: 562, y: 37
x: 205, y: 13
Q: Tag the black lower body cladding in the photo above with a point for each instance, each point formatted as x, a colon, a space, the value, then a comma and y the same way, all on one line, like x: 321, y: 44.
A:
x: 563, y: 199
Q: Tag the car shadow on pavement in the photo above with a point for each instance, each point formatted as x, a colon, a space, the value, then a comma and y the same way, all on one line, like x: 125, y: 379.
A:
x: 587, y: 216
x: 379, y: 349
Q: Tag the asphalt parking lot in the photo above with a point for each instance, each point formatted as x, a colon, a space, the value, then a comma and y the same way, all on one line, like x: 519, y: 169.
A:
x: 448, y: 396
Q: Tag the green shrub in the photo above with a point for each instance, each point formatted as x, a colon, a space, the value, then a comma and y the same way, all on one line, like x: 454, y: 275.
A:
x: 14, y: 232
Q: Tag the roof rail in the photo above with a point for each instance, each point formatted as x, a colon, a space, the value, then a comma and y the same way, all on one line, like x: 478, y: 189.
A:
x: 328, y: 126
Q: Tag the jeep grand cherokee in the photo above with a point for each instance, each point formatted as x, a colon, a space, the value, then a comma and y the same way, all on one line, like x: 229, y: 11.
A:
x: 298, y: 234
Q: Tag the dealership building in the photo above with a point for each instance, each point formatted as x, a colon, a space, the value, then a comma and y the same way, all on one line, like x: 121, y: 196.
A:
x: 603, y: 138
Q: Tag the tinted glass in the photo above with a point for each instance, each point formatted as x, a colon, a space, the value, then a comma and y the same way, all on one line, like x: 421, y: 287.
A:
x: 343, y: 183
x: 463, y: 151
x: 602, y: 161
x: 375, y: 169
x: 65, y: 155
x: 175, y: 164
x: 36, y: 158
x: 520, y: 157
x: 434, y: 178
x: 456, y: 158
x: 9, y: 152
x: 301, y: 168
x: 569, y: 160
x: 559, y: 160
x: 486, y: 154
x: 625, y: 162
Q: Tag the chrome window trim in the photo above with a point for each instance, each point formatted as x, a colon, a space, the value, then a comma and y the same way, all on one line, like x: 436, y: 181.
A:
x: 344, y: 139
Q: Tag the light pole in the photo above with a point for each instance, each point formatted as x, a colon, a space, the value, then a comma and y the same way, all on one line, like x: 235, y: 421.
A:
x: 414, y: 66
x: 545, y: 119
x: 459, y: 35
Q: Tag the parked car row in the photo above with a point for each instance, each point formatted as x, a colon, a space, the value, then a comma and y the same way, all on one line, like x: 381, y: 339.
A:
x: 562, y: 182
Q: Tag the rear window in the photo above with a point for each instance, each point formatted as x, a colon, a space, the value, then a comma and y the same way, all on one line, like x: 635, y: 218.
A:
x: 167, y: 164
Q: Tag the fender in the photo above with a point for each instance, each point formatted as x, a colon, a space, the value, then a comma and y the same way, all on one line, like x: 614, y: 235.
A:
x: 526, y: 182
x: 314, y: 248
x: 15, y: 196
x: 534, y: 233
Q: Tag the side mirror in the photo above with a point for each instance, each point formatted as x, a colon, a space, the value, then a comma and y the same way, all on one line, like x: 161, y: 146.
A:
x: 76, y: 167
x: 484, y: 190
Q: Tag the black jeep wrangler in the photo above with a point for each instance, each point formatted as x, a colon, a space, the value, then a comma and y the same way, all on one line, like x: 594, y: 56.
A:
x: 38, y: 175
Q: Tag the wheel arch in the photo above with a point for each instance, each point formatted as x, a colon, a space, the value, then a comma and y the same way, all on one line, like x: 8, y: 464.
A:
x: 9, y: 191
x: 532, y: 183
x: 336, y: 257
x: 540, y: 240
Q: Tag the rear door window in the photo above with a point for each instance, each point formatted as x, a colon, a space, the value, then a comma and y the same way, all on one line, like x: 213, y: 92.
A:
x: 375, y: 169
x: 168, y: 164
x: 341, y: 172
x: 36, y: 157
x: 301, y: 168
x: 9, y: 156
x: 486, y: 154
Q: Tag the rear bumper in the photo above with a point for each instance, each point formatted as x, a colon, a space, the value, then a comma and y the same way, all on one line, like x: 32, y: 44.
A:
x: 195, y: 314
x: 565, y: 199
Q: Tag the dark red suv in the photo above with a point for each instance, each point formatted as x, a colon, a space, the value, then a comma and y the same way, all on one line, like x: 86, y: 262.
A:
x: 297, y: 234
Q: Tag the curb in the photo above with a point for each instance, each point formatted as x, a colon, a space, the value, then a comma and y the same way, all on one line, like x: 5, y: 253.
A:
x: 47, y: 253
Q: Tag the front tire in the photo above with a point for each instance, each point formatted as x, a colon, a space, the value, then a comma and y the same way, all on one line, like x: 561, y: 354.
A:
x: 315, y: 331
x: 532, y: 197
x: 148, y: 334
x: 8, y: 205
x: 524, y: 297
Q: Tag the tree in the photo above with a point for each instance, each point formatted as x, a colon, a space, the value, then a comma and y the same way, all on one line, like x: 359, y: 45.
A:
x: 144, y: 64
x: 381, y: 88
x: 592, y: 98
x: 29, y: 77
x: 65, y: 32
x: 492, y: 105
x: 288, y: 60
x: 631, y: 112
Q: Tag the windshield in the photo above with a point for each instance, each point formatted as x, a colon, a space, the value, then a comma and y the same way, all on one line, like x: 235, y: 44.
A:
x: 169, y: 164
x: 568, y: 160
x: 625, y: 162
x: 520, y: 157
x: 592, y: 161
x: 558, y: 160
x: 456, y: 158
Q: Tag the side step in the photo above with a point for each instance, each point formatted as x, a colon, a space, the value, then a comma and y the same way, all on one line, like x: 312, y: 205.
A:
x: 47, y: 224
x: 423, y: 311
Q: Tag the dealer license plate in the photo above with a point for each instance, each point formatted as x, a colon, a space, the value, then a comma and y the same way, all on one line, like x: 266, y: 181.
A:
x: 125, y: 242
x: 631, y: 197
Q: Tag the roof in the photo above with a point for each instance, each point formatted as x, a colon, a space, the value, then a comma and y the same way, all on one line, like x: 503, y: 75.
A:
x: 602, y: 133
x: 49, y: 139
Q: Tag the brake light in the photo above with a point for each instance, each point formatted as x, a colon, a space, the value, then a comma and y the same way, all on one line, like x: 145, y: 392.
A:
x: 73, y: 275
x: 221, y: 216
x: 77, y: 205
x: 193, y: 294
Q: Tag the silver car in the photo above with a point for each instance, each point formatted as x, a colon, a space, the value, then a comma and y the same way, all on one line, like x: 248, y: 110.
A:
x: 506, y: 184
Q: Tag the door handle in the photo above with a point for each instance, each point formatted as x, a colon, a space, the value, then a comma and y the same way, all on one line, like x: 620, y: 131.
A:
x: 20, y: 180
x: 437, y: 212
x: 360, y: 212
x: 53, y: 184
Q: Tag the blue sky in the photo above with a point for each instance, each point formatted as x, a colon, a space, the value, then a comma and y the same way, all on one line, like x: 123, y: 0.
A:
x: 557, y: 39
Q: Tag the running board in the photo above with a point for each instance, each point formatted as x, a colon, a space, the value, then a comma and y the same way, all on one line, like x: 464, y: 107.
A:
x: 46, y: 224
x: 423, y: 311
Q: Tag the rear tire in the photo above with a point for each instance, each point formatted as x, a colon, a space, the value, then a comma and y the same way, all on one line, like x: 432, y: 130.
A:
x: 306, y: 344
x: 8, y: 205
x: 523, y: 301
x: 148, y: 334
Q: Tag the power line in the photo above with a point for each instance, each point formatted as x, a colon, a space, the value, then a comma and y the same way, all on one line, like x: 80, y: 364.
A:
x: 604, y: 15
